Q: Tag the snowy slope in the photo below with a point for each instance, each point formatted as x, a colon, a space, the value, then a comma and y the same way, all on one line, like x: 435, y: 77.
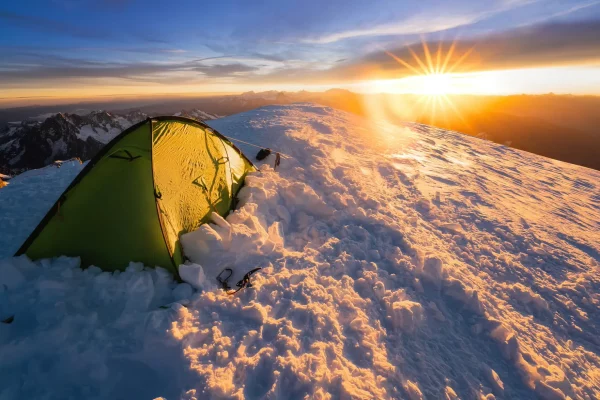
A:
x: 197, y: 114
x: 398, y: 262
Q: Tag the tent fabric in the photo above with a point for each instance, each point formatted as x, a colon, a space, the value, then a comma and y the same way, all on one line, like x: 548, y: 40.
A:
x: 157, y: 180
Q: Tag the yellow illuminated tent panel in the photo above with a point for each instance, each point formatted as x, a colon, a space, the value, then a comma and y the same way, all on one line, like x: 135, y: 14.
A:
x: 155, y: 181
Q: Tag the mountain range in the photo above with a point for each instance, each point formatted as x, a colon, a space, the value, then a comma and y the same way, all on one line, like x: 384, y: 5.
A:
x: 561, y: 127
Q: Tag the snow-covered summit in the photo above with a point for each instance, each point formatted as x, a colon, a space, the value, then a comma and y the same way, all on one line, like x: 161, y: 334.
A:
x: 197, y: 115
x: 401, y: 262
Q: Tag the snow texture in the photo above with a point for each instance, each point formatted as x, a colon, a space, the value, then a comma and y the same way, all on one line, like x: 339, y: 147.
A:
x: 402, y: 262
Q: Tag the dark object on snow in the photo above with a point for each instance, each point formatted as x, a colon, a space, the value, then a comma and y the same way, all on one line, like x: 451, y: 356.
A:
x: 223, y: 281
x: 263, y: 153
x: 277, y: 161
x: 8, y: 320
x: 245, y: 282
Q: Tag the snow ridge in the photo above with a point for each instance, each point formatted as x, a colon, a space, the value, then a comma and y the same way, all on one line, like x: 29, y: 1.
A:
x: 398, y: 262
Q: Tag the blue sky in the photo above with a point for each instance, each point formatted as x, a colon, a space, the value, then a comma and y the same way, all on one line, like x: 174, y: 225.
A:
x: 95, y: 46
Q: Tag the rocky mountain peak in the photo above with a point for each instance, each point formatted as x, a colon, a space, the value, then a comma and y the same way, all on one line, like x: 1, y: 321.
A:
x: 34, y: 144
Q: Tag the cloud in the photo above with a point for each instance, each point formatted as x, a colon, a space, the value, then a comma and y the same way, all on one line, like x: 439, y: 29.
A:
x: 83, y: 69
x: 575, y: 8
x: 422, y: 23
x: 28, y: 66
x: 224, y: 70
x: 268, y: 57
x: 537, y: 46
x: 50, y: 51
x: 413, y: 26
x: 534, y: 46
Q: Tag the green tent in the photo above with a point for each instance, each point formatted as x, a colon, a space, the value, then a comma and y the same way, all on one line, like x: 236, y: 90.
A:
x: 155, y: 181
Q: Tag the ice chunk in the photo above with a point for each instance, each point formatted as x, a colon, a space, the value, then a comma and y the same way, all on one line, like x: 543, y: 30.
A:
x: 192, y: 274
x: 413, y: 391
x: 406, y: 315
x: 433, y: 271
x: 494, y: 380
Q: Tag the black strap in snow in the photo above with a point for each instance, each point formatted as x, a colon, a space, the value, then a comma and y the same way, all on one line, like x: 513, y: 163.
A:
x: 223, y: 281
x: 244, y: 282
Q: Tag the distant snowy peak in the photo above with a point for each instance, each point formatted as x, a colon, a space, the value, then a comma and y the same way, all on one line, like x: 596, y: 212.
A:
x: 197, y: 115
x: 33, y: 143
x: 103, y: 126
x: 267, y: 95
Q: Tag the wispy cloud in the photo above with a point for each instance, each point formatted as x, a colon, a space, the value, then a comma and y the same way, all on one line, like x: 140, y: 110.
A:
x: 30, y: 66
x: 268, y: 57
x: 568, y: 11
x: 575, y: 9
x: 8, y: 51
x: 534, y: 46
x: 421, y: 23
x: 413, y: 26
x: 225, y: 70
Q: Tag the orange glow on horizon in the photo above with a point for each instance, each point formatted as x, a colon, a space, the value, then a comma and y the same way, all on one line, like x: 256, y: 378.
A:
x: 433, y: 81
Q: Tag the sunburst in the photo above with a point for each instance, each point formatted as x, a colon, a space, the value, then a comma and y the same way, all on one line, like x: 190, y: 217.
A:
x: 435, y: 75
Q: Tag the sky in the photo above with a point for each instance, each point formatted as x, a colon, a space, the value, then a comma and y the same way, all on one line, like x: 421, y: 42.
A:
x: 88, y: 48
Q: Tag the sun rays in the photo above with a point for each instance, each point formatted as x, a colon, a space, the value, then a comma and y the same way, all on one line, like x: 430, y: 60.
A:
x: 434, y: 78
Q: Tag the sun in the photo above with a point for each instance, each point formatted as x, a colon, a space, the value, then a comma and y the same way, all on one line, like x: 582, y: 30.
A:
x: 436, y: 84
x: 433, y: 76
x: 434, y: 79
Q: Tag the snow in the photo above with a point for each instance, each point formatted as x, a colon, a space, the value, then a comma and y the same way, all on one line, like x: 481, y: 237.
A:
x: 193, y: 274
x: 9, y: 131
x: 16, y: 158
x: 103, y: 135
x: 197, y: 114
x: 7, y: 144
x: 397, y: 262
x: 58, y: 147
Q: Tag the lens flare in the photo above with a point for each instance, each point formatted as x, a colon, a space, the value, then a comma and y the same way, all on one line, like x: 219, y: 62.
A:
x: 433, y: 79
